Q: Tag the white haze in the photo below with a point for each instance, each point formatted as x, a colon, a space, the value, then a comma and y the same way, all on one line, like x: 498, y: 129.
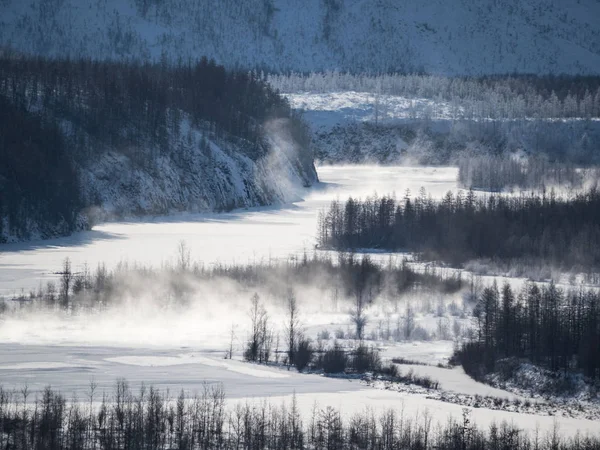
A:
x: 240, y: 236
x: 144, y: 311
x: 148, y: 339
x: 247, y: 236
x: 147, y: 315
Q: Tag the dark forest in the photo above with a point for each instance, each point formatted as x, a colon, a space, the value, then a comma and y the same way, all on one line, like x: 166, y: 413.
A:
x: 544, y: 228
x: 544, y: 325
x: 60, y: 115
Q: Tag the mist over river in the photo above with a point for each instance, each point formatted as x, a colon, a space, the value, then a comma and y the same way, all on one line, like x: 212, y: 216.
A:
x: 240, y: 236
x: 183, y: 348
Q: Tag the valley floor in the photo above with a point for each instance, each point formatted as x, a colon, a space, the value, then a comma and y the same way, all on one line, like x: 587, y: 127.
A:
x: 241, y: 236
x: 182, y: 352
x: 70, y: 369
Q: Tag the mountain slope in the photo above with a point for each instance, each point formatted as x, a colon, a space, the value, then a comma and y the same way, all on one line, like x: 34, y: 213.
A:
x: 452, y: 37
x: 82, y: 141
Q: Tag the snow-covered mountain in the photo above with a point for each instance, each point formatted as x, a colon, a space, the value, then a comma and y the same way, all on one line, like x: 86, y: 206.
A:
x: 87, y: 141
x: 215, y: 176
x: 437, y: 36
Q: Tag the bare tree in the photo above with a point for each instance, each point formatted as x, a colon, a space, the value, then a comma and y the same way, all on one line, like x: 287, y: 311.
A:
x: 231, y: 338
x: 409, y: 322
x: 358, y: 315
x: 183, y: 256
x: 90, y: 429
x: 50, y: 293
x: 66, y: 279
x: 259, y: 328
x: 267, y: 341
x: 292, y: 325
x: 25, y: 394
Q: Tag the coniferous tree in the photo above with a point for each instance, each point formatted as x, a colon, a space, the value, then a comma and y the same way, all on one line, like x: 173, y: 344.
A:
x: 534, y: 229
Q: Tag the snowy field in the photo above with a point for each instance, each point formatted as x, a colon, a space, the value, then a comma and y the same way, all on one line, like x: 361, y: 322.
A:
x: 71, y: 369
x: 240, y: 236
x: 175, y: 350
x: 326, y: 110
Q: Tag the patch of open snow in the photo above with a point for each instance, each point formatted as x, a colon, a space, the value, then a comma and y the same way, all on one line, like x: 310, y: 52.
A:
x: 434, y: 353
x: 416, y: 406
x: 152, y: 361
x: 325, y: 110
x: 191, y: 358
x: 41, y: 365
x: 456, y: 380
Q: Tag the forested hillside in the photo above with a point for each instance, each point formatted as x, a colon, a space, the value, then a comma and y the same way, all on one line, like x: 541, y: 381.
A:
x: 398, y: 119
x: 38, y: 181
x: 515, y: 172
x: 82, y: 140
x: 456, y: 37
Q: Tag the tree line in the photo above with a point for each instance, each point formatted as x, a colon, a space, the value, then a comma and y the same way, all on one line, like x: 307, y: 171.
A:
x: 542, y: 228
x: 154, y: 420
x: 544, y: 325
x: 264, y: 346
x: 299, y: 351
x: 510, y: 171
x: 123, y: 103
x: 485, y: 97
x: 348, y: 277
x: 38, y: 180
x: 60, y: 115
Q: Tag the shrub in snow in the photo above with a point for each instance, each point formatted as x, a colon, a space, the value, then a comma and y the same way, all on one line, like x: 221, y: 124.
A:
x: 390, y: 370
x: 324, y: 335
x: 304, y: 354
x: 334, y: 360
x: 454, y: 309
x: 365, y: 359
x: 421, y: 334
x: 339, y: 334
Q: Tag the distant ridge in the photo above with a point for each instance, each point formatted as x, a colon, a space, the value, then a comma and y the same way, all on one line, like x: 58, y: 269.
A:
x: 450, y: 37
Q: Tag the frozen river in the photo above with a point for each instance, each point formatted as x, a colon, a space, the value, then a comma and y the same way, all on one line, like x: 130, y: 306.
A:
x: 239, y: 236
x: 183, y: 352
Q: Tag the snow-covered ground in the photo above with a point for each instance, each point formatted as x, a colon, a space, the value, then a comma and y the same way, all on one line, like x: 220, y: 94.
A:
x: 326, y: 110
x: 239, y: 236
x: 456, y: 380
x: 184, y: 350
x: 71, y: 369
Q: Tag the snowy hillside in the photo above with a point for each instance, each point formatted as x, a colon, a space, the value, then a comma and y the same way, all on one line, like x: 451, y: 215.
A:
x: 362, y: 127
x: 219, y: 178
x: 216, y: 178
x: 438, y: 36
x: 83, y: 142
